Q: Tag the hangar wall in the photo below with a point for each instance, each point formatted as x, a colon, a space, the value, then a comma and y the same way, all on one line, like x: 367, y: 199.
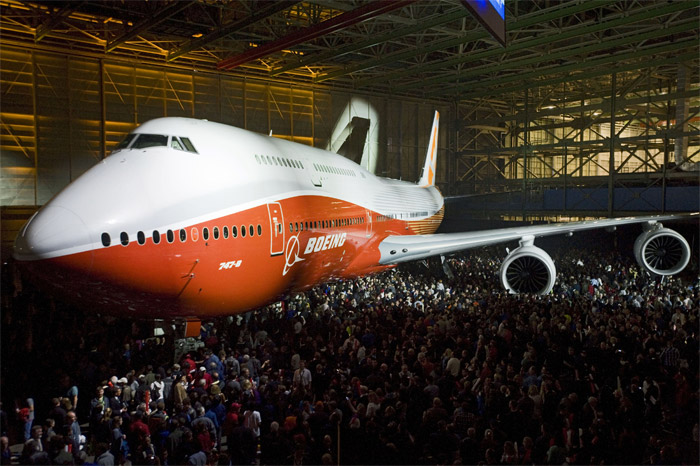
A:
x: 603, y: 141
x: 61, y: 113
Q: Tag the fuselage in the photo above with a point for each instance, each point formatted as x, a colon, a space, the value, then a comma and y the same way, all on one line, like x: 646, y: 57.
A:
x: 193, y: 218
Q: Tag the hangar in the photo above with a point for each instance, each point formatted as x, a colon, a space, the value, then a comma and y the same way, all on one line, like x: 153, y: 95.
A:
x: 589, y: 109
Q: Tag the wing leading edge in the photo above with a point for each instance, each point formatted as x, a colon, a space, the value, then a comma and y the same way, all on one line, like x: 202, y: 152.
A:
x: 398, y: 249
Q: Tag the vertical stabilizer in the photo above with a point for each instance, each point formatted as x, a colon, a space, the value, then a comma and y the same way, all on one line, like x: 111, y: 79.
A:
x: 429, y: 169
x: 356, y: 134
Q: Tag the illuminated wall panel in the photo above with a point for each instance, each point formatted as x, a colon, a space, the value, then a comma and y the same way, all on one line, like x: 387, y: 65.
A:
x: 61, y: 114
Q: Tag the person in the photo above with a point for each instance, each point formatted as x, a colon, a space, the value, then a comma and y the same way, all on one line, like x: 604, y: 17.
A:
x: 5, y: 452
x: 57, y: 413
x: 33, y: 451
x: 302, y: 376
x: 274, y: 447
x: 205, y: 421
x: 74, y: 436
x: 70, y: 391
x: 103, y: 457
x: 23, y: 415
x: 252, y: 420
x: 119, y: 448
x: 157, y: 389
x: 180, y: 391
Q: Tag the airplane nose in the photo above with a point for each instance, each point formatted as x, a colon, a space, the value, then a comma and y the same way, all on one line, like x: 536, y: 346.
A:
x: 53, y: 231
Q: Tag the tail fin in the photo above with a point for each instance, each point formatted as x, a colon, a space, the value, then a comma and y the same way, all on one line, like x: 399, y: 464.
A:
x: 429, y: 169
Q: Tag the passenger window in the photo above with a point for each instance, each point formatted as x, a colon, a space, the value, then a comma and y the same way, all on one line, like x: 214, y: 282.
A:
x: 257, y: 158
x: 205, y: 233
x: 259, y: 230
x: 216, y: 232
x: 106, y: 240
x: 183, y: 235
x: 141, y: 237
x: 144, y: 141
x: 251, y: 230
x: 291, y: 228
x: 242, y: 231
x: 124, y: 238
x: 225, y: 232
x: 234, y: 231
x: 156, y: 236
x: 170, y: 236
x: 296, y: 226
x: 194, y: 234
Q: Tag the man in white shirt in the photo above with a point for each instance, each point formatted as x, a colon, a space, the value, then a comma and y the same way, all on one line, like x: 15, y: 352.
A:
x: 302, y: 376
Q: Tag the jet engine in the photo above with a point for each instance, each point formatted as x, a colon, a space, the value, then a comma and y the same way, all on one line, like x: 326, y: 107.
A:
x: 661, y: 250
x: 528, y: 269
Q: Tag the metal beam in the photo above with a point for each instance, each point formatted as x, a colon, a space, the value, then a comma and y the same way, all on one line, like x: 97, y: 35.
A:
x: 539, y: 58
x: 622, y: 19
x: 526, y: 21
x: 597, y: 63
x: 336, y: 23
x: 160, y: 16
x: 55, y: 19
x: 269, y: 9
x: 422, y: 25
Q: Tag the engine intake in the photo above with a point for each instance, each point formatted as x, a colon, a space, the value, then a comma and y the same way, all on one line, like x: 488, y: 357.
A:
x: 528, y: 269
x: 661, y: 250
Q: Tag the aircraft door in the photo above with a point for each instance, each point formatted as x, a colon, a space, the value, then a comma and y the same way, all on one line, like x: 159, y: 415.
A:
x: 274, y: 210
x: 314, y: 175
x: 368, y: 223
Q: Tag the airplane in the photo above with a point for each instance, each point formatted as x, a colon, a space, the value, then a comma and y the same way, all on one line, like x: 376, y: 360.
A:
x: 194, y: 219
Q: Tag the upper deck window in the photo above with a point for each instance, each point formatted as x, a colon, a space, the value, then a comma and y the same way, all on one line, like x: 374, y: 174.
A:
x: 145, y: 141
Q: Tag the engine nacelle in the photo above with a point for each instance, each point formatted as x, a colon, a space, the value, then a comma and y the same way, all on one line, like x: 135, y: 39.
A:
x: 661, y: 250
x: 528, y: 269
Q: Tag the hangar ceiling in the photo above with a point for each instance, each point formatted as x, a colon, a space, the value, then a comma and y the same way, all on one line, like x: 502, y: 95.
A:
x: 431, y: 49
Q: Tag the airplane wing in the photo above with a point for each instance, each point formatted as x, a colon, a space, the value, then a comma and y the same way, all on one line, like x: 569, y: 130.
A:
x: 397, y: 249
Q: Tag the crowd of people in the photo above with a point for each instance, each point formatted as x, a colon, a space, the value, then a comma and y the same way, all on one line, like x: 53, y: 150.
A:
x: 409, y: 366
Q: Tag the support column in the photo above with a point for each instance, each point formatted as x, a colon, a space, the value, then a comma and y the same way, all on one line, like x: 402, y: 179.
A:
x: 613, y: 138
x: 681, y: 142
x: 103, y: 117
x: 526, y: 143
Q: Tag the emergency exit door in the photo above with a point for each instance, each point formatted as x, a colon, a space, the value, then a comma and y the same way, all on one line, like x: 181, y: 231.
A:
x: 274, y: 210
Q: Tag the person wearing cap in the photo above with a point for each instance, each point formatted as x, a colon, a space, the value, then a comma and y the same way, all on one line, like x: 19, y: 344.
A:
x: 203, y: 374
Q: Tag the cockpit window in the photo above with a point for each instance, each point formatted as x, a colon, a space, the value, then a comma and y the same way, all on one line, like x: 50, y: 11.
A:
x: 176, y: 144
x: 125, y: 142
x: 150, y: 140
x: 188, y: 144
x: 183, y: 144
